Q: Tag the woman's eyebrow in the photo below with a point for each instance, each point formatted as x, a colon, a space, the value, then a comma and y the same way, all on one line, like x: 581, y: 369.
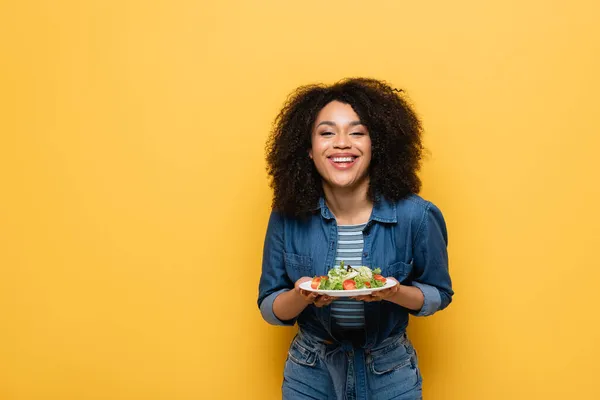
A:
x: 331, y: 123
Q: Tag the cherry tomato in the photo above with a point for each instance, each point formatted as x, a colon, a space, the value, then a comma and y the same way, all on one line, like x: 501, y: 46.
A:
x: 316, y: 281
x: 349, y: 284
x: 379, y: 278
x: 368, y: 284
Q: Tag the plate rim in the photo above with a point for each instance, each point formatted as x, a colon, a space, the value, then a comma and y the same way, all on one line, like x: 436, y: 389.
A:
x: 347, y: 293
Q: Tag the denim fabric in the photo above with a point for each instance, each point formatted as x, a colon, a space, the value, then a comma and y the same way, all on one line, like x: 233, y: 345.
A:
x: 406, y: 239
x: 339, y: 371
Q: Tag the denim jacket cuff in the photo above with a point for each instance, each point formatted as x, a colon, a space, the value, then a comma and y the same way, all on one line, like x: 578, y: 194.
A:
x: 432, y: 299
x: 266, y: 310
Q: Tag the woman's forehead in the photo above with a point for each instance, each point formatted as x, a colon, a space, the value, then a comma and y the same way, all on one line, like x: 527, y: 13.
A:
x: 337, y: 113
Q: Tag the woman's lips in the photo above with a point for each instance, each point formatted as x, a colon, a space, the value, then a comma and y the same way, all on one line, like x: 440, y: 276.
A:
x: 342, y: 162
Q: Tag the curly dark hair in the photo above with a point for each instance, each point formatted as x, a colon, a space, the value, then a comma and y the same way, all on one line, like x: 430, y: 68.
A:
x: 393, y: 125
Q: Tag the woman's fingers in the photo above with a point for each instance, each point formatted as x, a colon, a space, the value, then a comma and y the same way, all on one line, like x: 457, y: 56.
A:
x: 322, y: 301
x: 311, y: 297
x: 307, y: 296
x: 377, y: 296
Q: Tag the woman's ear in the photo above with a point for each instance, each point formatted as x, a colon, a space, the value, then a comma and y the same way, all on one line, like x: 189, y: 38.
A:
x: 310, y: 153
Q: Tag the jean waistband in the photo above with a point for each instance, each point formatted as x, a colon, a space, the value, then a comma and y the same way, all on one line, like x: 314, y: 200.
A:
x: 353, y: 338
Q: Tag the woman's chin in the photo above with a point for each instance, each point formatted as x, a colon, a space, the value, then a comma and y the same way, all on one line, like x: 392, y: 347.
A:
x: 343, y: 184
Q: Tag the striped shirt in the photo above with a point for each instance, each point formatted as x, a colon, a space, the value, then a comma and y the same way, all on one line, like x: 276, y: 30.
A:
x: 348, y: 313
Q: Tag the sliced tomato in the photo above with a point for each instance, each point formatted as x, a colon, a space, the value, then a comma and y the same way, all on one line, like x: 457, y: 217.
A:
x: 368, y: 284
x: 316, y: 281
x: 379, y: 278
x: 349, y: 284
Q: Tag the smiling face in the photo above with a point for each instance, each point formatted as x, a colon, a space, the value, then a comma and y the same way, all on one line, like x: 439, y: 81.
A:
x: 341, y: 147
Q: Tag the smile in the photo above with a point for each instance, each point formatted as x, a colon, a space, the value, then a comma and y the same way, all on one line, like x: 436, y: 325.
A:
x: 342, y: 159
x: 342, y: 162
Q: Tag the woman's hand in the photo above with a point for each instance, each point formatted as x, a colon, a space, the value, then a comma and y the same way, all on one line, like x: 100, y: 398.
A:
x: 312, y: 297
x: 384, y: 294
x: 291, y: 303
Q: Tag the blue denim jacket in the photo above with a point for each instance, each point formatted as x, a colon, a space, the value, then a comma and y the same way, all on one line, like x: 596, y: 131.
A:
x: 407, y: 240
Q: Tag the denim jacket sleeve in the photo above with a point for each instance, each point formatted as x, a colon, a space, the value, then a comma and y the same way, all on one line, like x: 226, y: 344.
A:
x: 430, y: 255
x: 274, y: 279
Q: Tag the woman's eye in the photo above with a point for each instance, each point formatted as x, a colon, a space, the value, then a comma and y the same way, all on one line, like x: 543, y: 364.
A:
x: 358, y: 134
x: 326, y: 133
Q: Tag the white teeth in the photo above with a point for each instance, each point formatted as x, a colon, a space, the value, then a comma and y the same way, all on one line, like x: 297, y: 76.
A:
x: 342, y: 159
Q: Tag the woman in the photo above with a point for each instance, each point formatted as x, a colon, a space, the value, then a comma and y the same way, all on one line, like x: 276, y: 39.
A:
x: 343, y: 161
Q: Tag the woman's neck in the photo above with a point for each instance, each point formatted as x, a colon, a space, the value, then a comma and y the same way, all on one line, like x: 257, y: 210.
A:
x: 350, y: 206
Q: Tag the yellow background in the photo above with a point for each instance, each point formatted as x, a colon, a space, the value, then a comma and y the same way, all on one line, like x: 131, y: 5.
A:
x: 132, y: 175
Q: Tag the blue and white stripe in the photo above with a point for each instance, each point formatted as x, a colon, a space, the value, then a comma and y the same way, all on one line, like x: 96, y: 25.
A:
x: 348, y: 313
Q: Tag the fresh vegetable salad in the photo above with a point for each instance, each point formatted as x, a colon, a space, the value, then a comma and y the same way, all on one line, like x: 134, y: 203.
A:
x: 349, y: 278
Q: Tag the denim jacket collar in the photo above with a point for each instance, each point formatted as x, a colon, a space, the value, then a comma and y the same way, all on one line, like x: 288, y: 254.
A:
x: 383, y: 210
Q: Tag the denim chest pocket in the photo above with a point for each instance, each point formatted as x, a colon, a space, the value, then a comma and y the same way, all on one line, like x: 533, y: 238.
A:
x: 399, y: 270
x: 298, y: 265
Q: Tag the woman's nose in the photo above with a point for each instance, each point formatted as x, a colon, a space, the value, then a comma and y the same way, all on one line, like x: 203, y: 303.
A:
x: 341, y: 141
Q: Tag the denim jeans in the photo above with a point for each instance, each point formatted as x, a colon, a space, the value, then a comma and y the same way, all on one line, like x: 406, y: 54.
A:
x: 318, y: 370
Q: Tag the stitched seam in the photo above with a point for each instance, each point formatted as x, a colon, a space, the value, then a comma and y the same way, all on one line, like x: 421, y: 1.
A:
x: 399, y: 366
x: 421, y: 225
x: 294, y: 359
x: 394, y: 345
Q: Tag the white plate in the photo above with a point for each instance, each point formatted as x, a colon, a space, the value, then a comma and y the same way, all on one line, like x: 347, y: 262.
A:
x: 347, y: 293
